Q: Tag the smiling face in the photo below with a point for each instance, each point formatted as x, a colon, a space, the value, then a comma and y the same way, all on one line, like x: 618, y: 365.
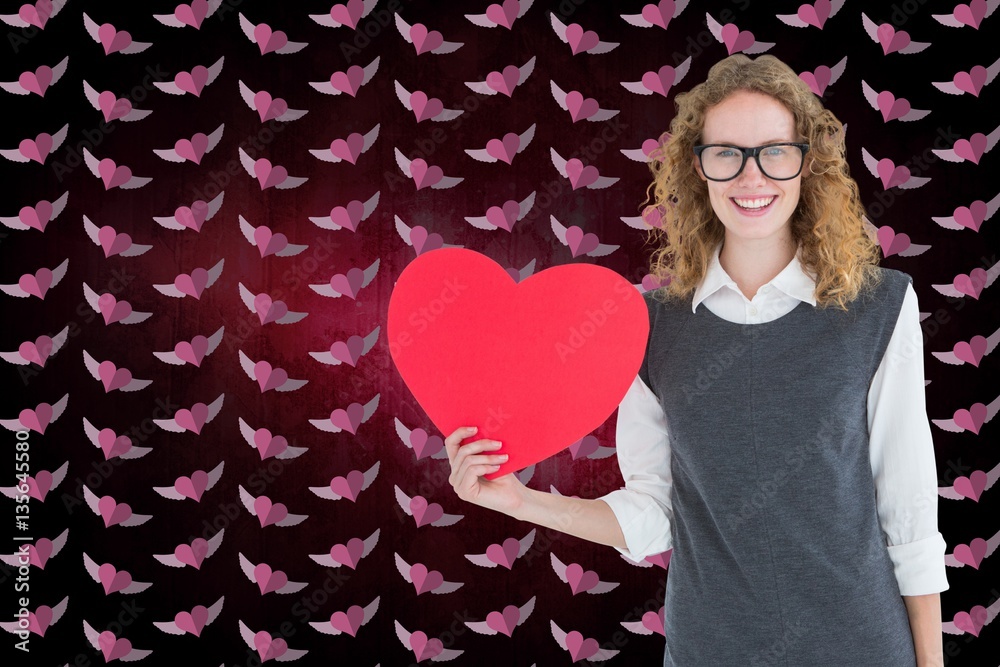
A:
x: 751, y: 206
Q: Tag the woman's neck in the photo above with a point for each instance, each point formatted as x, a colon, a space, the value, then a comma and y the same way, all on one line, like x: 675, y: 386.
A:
x: 755, y: 262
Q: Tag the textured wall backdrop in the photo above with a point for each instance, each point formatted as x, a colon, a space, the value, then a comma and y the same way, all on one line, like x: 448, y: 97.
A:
x: 103, y: 96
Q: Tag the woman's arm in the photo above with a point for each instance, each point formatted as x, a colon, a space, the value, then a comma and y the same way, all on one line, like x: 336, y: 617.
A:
x: 925, y: 624
x: 589, y: 519
x: 635, y: 520
x: 905, y: 474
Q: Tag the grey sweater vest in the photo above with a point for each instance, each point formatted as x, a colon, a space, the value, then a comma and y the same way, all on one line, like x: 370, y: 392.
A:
x: 778, y: 555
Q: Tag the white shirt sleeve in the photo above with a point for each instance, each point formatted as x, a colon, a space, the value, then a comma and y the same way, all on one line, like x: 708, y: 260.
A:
x: 902, y: 459
x: 643, y: 507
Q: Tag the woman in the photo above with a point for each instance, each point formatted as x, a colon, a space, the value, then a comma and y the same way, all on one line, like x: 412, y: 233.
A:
x: 776, y: 436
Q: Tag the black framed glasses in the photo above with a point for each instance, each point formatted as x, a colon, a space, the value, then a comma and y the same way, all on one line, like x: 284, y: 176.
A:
x: 724, y: 162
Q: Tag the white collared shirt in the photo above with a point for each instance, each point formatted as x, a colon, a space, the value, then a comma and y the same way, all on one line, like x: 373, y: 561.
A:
x: 900, y: 444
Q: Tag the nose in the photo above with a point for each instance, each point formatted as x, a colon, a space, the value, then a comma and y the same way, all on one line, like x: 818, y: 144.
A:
x: 751, y: 174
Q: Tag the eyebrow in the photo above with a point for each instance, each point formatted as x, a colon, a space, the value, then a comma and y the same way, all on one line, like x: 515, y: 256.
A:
x: 769, y: 141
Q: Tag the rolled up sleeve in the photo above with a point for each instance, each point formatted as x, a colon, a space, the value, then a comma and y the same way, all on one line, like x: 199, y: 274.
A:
x: 643, y: 506
x: 902, y: 459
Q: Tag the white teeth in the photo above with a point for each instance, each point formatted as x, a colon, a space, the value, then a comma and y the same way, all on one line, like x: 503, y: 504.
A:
x: 753, y: 203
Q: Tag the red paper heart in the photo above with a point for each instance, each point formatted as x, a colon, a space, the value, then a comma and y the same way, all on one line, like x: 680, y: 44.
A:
x: 536, y: 365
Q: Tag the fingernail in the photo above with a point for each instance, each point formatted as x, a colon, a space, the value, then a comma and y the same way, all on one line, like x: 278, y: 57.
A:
x: 471, y: 428
x: 504, y: 456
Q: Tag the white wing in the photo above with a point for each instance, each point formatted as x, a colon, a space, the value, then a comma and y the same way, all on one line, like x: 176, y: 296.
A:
x: 913, y: 47
x: 870, y: 162
x: 93, y: 164
x: 559, y: 567
x: 246, y: 633
x: 403, y: 230
x: 247, y: 365
x: 558, y: 27
x: 482, y: 560
x: 288, y: 184
x: 870, y: 95
x: 558, y: 633
x: 403, y: 162
x: 59, y: 474
x: 91, y: 634
x: 525, y: 137
x: 480, y: 87
x: 92, y: 365
x: 372, y: 405
x: 558, y: 229
x: 403, y: 94
x: 603, y: 47
x: 448, y: 520
x: 214, y: 273
x: 559, y: 95
x: 837, y: 70
x: 403, y: 500
x: 291, y: 47
x: 947, y: 87
x: 447, y: 47
x: 291, y: 520
x: 370, y: 70
x: 247, y: 162
x: 215, y: 137
x: 370, y: 137
x: 714, y: 27
x: 481, y: 155
x: 603, y: 587
x: 792, y: 20
x: 525, y: 70
x: 559, y: 162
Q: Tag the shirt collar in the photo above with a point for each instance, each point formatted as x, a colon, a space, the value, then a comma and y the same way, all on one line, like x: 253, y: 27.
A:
x: 795, y: 280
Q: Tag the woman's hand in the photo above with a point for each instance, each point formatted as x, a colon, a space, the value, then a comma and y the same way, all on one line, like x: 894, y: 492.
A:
x: 470, y: 462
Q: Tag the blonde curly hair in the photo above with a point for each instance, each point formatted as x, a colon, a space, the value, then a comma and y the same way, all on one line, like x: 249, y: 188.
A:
x: 827, y: 223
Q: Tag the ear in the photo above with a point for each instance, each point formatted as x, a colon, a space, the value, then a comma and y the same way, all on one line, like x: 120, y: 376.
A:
x: 697, y: 168
x: 807, y: 167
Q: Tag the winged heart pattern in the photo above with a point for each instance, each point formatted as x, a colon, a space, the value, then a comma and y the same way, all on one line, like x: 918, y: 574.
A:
x: 208, y: 205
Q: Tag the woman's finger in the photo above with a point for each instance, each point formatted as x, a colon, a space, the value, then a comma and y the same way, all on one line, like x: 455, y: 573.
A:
x: 472, y: 449
x: 462, y: 474
x: 479, y: 459
x: 454, y: 441
x: 472, y: 475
